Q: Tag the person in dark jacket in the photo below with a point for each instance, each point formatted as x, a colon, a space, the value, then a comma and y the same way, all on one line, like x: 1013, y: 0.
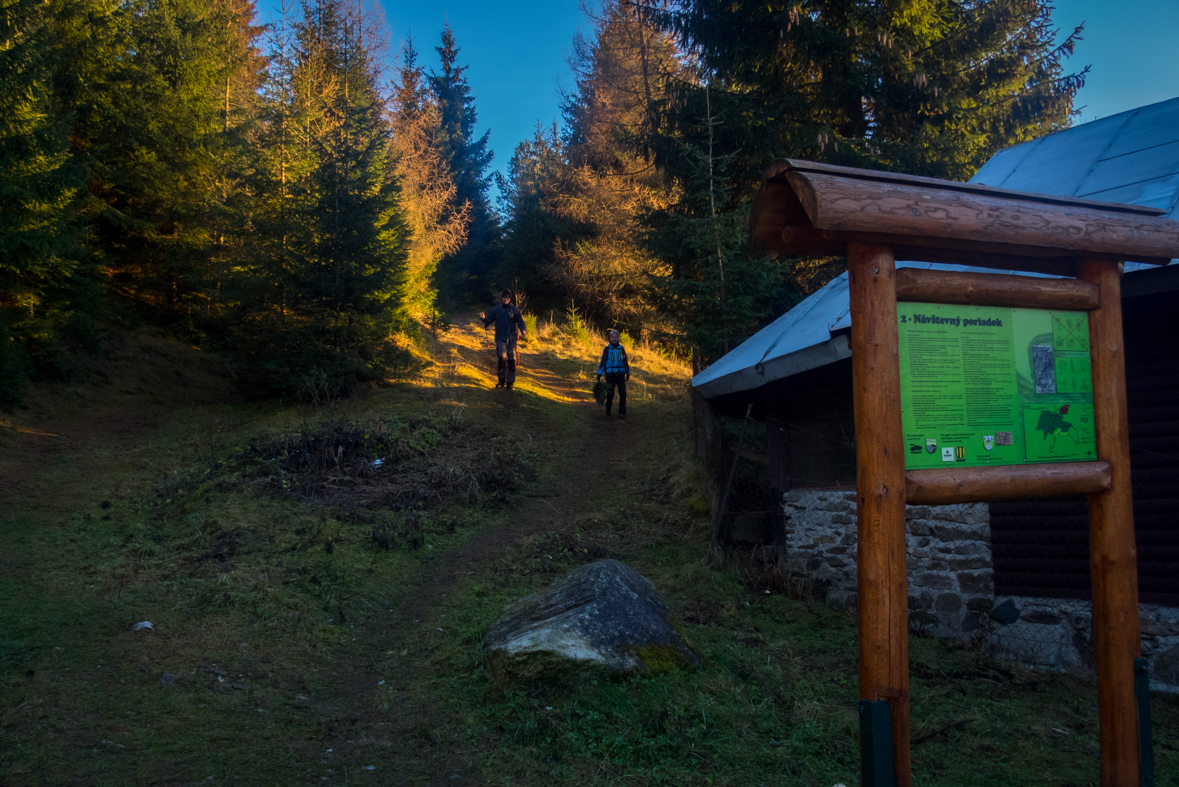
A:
x: 507, y: 319
x: 617, y: 370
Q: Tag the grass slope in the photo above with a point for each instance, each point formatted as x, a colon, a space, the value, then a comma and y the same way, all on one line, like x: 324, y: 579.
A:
x: 322, y: 612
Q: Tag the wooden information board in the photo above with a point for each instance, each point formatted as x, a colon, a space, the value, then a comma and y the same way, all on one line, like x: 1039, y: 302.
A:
x: 986, y: 385
x: 1021, y: 378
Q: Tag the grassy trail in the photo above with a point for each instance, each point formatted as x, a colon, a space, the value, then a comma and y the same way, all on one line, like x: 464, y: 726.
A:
x: 580, y: 472
x: 318, y: 614
x: 86, y: 461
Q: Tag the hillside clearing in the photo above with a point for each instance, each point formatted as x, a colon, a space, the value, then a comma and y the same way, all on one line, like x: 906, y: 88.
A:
x: 321, y: 614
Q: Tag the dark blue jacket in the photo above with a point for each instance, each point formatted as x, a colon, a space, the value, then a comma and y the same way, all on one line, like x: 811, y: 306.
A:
x: 506, y: 318
x: 614, y: 360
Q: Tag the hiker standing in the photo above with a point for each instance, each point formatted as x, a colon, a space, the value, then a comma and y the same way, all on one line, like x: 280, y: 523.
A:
x: 617, y: 370
x: 507, y: 318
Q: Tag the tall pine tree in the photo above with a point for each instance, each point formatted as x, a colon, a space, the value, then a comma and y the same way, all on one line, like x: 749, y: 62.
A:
x: 464, y: 275
x: 38, y: 184
x: 530, y: 197
x: 149, y: 80
x: 326, y: 308
x: 929, y: 87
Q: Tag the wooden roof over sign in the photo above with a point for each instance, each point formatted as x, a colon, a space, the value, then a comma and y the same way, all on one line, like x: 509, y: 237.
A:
x: 805, y: 208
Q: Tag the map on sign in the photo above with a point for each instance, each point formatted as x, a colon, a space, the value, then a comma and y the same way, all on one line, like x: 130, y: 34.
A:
x: 984, y: 385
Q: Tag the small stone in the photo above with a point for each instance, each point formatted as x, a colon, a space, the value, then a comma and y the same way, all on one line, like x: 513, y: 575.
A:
x: 167, y: 679
x: 1006, y: 613
x: 948, y: 602
x: 1042, y: 616
x: 980, y: 605
x: 975, y: 584
x: 934, y: 581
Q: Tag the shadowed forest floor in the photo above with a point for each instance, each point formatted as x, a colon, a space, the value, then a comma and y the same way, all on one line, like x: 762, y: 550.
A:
x: 319, y: 581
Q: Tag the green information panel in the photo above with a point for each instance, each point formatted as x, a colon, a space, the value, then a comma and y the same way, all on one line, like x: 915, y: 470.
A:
x: 985, y: 385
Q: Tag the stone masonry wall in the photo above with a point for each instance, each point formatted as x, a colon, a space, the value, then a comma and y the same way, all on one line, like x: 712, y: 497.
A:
x: 951, y: 585
x: 951, y: 582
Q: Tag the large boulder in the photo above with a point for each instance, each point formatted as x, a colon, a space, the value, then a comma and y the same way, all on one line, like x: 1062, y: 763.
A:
x: 604, y: 618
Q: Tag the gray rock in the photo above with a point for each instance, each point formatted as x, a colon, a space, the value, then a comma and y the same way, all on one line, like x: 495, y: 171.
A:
x: 1042, y: 616
x: 1006, y: 613
x: 167, y: 679
x: 975, y: 584
x: 948, y: 602
x: 604, y: 618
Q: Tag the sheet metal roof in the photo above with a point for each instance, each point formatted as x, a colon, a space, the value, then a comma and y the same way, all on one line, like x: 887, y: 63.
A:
x: 1132, y: 157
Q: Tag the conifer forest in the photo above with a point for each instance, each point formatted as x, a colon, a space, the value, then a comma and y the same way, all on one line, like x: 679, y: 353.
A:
x: 301, y: 195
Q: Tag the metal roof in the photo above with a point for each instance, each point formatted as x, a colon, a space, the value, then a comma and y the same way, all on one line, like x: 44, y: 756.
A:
x: 1131, y: 158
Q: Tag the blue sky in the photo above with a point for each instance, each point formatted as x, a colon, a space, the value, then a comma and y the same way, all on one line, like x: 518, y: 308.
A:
x: 517, y: 53
x: 1132, y: 47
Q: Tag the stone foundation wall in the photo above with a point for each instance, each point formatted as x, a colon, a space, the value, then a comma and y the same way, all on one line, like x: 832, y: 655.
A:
x: 1058, y: 633
x: 952, y: 589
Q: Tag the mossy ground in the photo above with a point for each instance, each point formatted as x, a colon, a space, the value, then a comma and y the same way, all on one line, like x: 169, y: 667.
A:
x: 306, y: 650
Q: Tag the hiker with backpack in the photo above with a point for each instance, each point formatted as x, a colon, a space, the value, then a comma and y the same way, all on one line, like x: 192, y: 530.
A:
x: 616, y: 368
x: 507, y: 319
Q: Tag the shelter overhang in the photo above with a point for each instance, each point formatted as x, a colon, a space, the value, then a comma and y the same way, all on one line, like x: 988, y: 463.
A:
x: 806, y: 208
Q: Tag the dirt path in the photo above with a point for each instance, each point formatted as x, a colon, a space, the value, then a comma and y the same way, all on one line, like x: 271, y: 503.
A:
x: 56, y: 456
x: 599, y: 457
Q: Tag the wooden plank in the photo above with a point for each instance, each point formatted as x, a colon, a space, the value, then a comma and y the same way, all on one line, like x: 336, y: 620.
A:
x: 804, y: 240
x: 1113, y: 557
x: 882, y: 582
x: 779, y: 168
x: 978, y: 484
x: 993, y: 289
x: 852, y: 205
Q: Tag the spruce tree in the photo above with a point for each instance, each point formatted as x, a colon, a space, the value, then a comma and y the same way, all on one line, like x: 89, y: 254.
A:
x: 149, y: 82
x: 464, y: 275
x: 529, y: 198
x: 331, y: 309
x: 38, y: 184
x: 931, y: 88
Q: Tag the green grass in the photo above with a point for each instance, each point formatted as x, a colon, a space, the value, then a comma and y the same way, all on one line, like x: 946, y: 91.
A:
x: 284, y: 647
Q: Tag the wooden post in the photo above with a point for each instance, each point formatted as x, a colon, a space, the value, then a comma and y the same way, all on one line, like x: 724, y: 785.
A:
x: 880, y: 491
x: 1113, y: 557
